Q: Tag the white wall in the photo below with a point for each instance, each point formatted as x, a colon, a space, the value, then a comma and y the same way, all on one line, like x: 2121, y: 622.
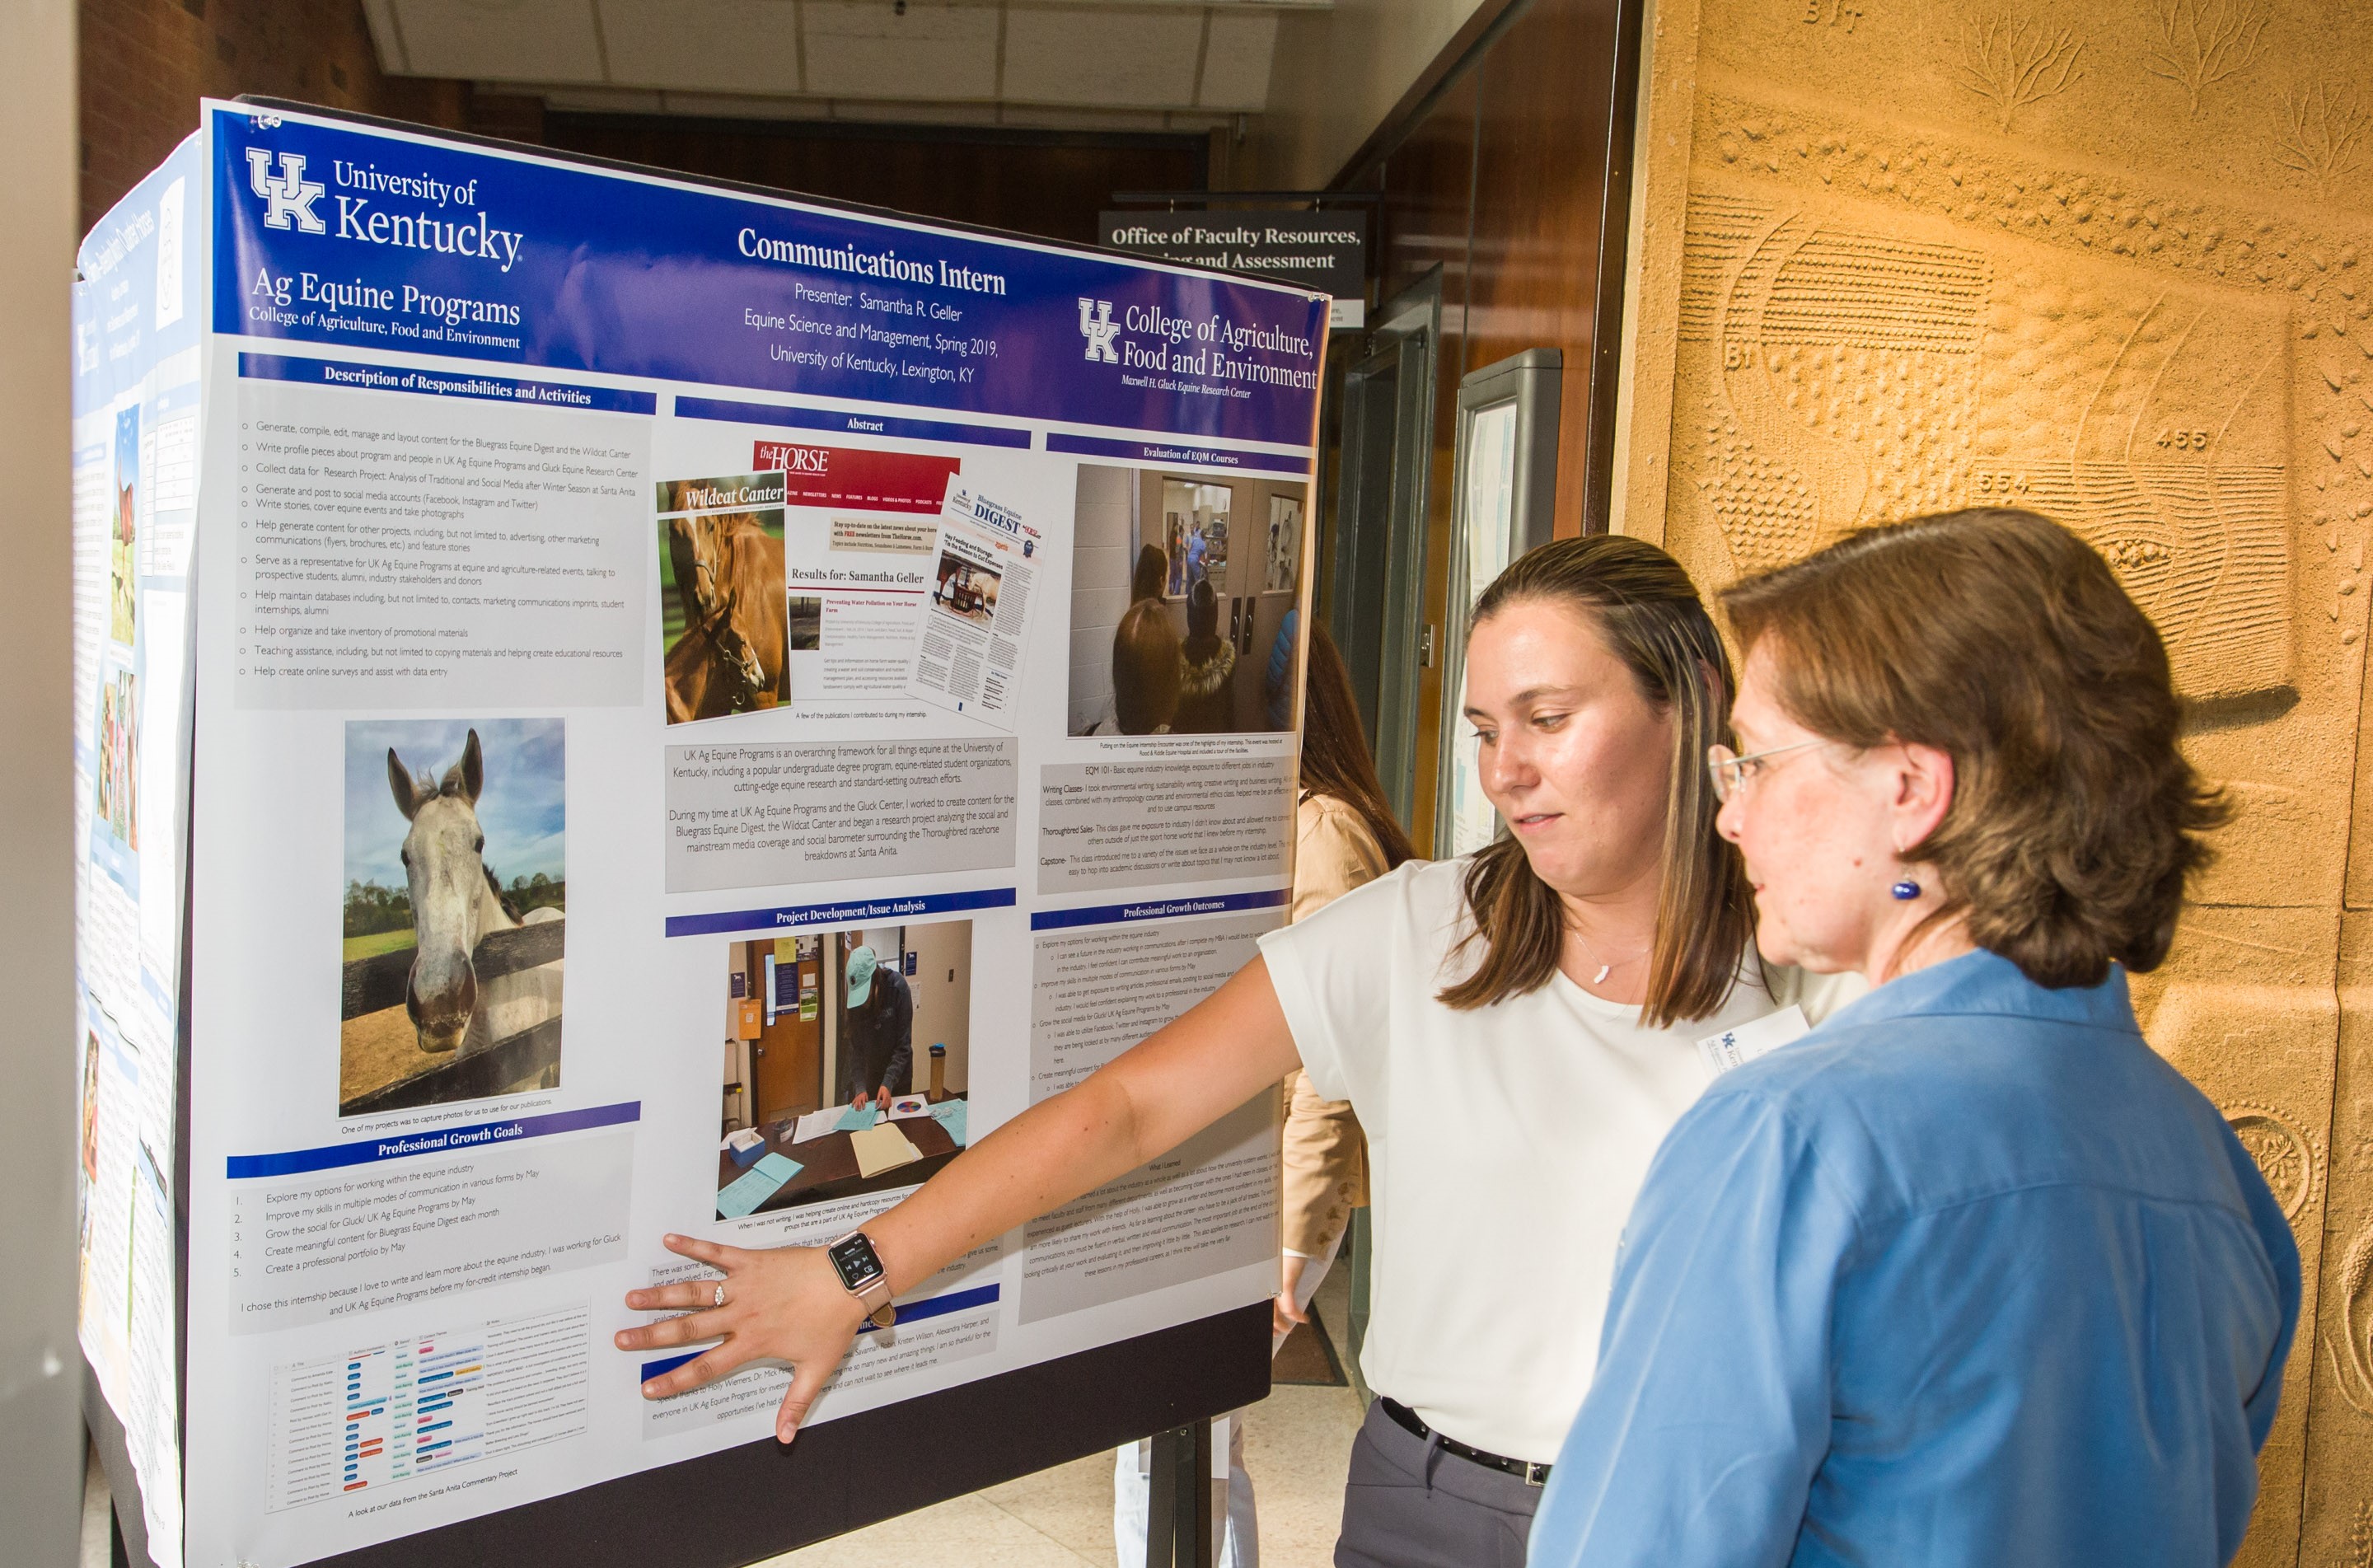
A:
x: 1103, y: 549
x: 943, y: 987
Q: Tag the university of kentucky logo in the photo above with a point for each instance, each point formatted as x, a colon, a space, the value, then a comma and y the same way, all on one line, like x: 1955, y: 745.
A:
x: 1098, y: 327
x: 290, y: 194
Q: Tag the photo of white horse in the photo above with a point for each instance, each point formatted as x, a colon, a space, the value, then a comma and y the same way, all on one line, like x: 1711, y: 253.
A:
x: 452, y: 976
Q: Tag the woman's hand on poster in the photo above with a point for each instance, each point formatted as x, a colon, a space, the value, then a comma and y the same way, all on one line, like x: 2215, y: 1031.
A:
x: 782, y: 1303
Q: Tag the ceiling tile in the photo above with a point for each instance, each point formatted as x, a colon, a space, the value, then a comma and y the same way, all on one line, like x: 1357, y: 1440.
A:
x: 1236, y: 59
x: 732, y: 46
x: 864, y: 49
x: 501, y: 40
x: 1135, y: 58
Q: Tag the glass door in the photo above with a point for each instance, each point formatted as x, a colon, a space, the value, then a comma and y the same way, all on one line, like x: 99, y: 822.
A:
x: 1503, y: 502
x: 1377, y: 604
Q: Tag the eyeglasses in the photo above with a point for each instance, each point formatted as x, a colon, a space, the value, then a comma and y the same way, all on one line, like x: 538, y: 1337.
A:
x: 1731, y: 771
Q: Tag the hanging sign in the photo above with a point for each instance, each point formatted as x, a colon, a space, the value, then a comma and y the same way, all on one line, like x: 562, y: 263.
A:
x: 1322, y: 251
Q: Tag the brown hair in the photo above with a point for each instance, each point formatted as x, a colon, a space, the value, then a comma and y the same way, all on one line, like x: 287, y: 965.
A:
x: 1334, y: 758
x: 1639, y: 600
x: 2001, y: 639
x: 1145, y: 668
x: 1152, y: 567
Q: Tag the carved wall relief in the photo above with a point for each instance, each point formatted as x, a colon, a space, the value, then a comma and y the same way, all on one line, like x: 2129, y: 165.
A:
x: 2198, y: 43
x: 1853, y: 375
x: 2011, y: 60
x: 1840, y: 368
x: 2284, y: 1154
x: 2348, y: 1333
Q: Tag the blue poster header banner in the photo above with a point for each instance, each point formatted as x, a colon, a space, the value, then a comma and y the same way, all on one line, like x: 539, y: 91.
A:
x: 1158, y: 910
x: 842, y: 422
x: 1171, y: 452
x: 849, y: 912
x: 433, y: 1141
x: 443, y: 383
x: 332, y: 232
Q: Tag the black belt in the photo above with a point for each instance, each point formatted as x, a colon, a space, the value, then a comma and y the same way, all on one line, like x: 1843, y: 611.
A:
x: 1525, y: 1471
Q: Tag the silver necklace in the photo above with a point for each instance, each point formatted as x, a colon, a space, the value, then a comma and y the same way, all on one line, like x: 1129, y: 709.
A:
x: 1605, y: 969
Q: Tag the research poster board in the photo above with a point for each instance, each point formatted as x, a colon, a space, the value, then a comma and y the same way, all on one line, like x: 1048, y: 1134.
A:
x: 631, y: 666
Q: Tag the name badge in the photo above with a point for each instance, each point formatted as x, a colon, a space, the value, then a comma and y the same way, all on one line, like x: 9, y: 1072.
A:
x: 1736, y: 1048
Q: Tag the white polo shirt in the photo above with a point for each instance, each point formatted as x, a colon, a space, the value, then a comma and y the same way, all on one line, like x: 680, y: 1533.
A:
x: 1505, y: 1146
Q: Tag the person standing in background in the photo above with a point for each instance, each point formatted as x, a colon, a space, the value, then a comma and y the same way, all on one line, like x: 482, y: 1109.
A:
x: 1206, y: 669
x: 1345, y: 836
x: 877, y: 1058
x: 1281, y: 670
x: 1145, y: 664
x: 1146, y: 582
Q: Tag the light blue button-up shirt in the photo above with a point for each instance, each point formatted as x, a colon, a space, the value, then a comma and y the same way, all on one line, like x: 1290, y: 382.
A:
x: 1967, y: 1276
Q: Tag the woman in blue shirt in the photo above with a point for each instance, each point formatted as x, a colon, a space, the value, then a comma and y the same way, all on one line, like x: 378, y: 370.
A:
x: 1968, y: 1275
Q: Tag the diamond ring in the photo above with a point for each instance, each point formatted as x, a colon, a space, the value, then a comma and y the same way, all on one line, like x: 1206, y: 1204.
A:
x: 721, y: 1294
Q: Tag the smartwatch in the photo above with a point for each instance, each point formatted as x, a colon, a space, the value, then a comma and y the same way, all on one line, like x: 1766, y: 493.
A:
x: 862, y: 1276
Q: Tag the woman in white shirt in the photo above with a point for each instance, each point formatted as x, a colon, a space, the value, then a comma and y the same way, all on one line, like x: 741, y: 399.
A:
x: 1517, y: 1030
x: 1345, y: 837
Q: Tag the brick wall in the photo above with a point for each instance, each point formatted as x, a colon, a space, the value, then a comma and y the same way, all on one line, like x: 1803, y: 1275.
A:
x: 145, y: 63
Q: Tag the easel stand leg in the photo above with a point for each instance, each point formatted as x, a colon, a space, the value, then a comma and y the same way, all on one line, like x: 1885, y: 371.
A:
x: 1178, y: 1530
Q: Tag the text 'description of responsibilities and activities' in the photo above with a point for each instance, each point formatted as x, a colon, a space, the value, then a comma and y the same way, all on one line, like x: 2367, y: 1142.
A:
x: 428, y: 550
x: 376, y: 1229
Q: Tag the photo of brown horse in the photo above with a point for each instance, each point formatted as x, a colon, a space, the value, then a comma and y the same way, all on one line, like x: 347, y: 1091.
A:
x: 722, y: 601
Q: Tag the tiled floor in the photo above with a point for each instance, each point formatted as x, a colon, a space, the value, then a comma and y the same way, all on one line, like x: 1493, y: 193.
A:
x: 1297, y: 1446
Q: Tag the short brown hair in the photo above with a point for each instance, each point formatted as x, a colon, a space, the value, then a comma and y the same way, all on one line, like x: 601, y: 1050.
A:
x: 1641, y: 601
x: 2001, y: 639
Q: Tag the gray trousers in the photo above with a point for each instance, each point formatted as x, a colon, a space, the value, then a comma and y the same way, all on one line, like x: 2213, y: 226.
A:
x: 1409, y: 1505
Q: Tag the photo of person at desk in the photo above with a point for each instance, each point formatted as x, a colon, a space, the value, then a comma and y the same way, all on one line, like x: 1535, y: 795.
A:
x: 877, y: 1057
x: 845, y: 1063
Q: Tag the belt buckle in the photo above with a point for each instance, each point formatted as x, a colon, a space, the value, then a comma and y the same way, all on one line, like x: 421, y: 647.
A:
x: 1536, y: 1474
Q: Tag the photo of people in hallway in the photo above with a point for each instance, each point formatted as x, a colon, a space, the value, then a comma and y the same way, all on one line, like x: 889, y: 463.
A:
x: 845, y: 1064
x: 1183, y: 602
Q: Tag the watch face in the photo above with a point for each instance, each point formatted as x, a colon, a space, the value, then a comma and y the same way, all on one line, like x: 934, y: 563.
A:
x: 855, y: 1259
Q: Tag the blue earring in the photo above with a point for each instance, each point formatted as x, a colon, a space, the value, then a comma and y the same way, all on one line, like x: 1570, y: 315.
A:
x: 1907, y: 890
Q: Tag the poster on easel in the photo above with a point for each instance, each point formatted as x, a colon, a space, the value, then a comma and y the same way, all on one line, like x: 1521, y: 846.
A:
x: 608, y: 652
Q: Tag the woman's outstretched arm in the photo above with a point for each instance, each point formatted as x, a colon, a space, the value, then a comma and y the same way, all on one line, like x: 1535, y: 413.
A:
x: 787, y: 1304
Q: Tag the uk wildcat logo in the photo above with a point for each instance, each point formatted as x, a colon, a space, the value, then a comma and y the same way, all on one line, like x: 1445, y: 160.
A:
x: 1098, y: 327
x: 290, y: 195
